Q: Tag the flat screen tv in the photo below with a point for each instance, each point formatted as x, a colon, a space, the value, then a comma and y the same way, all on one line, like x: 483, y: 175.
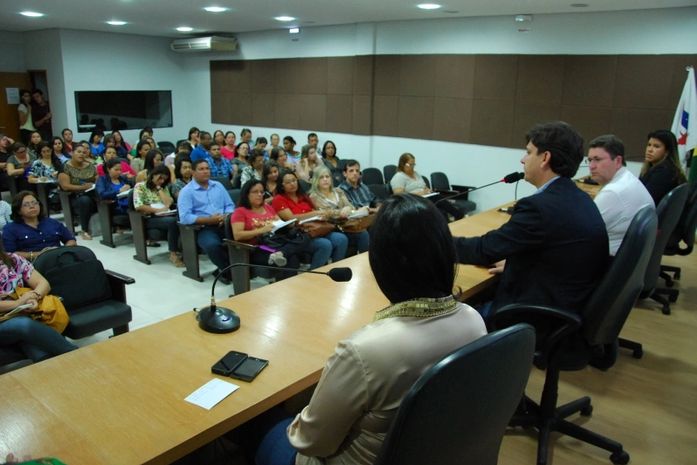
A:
x: 108, y: 110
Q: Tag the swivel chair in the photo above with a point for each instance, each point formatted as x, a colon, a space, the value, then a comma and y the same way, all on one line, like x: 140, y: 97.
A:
x: 457, y: 411
x: 570, y: 341
x: 684, y: 233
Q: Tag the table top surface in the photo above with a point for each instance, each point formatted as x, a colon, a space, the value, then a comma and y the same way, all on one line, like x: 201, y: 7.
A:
x: 121, y: 401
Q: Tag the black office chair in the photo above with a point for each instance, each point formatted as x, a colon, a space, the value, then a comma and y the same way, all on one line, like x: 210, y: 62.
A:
x: 668, y: 211
x: 12, y: 358
x: 389, y: 171
x: 371, y: 176
x: 428, y: 183
x: 571, y: 341
x: 95, y: 298
x: 108, y: 219
x: 440, y: 183
x: 381, y: 191
x: 166, y: 147
x: 682, y: 241
x: 457, y: 411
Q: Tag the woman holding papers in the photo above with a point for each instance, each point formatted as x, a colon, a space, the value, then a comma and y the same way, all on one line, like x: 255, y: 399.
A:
x: 371, y: 371
x: 253, y: 220
x: 151, y: 197
x: 114, y: 186
x: 37, y: 340
x: 333, y: 202
x: 78, y: 178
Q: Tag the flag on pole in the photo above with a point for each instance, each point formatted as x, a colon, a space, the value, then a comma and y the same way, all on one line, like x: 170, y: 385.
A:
x: 685, y: 122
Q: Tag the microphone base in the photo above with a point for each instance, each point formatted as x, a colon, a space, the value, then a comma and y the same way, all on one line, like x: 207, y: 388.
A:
x: 215, y: 319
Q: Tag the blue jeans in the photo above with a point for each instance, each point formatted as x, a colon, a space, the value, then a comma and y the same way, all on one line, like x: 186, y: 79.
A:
x: 339, y: 245
x: 168, y: 225
x: 36, y: 340
x: 210, y: 239
x: 360, y: 240
x: 275, y: 448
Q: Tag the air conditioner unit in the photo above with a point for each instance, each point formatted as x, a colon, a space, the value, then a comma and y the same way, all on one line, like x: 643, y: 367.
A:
x: 205, y: 44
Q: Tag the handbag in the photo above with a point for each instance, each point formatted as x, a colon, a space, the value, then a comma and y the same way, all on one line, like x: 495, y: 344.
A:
x: 286, y: 238
x: 50, y: 311
x: 318, y: 228
x: 357, y: 225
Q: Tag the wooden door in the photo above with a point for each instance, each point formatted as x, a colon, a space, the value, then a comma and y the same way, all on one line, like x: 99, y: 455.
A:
x: 9, y: 119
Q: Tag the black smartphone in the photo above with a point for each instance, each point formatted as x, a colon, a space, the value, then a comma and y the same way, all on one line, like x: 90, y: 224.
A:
x: 227, y: 364
x: 249, y: 368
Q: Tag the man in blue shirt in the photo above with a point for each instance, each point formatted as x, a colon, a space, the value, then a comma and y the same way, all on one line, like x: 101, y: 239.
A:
x: 206, y: 202
x: 358, y: 193
x: 220, y: 167
x: 202, y: 150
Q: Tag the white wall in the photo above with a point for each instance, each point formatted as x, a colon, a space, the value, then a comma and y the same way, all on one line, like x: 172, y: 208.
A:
x: 11, y: 52
x: 99, y: 61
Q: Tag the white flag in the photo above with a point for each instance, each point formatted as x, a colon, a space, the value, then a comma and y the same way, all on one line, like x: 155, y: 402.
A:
x: 685, y: 120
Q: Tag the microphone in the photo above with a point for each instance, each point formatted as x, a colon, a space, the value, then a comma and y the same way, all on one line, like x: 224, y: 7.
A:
x: 215, y: 319
x: 508, y: 179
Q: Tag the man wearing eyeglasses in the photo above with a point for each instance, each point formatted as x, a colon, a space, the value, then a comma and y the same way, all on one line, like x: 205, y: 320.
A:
x: 622, y: 194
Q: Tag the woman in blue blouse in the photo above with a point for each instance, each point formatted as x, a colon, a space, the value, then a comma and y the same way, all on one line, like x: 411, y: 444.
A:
x: 112, y: 184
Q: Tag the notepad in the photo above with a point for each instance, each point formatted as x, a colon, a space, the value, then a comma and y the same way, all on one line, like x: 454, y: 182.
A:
x: 312, y: 218
x: 166, y: 213
x: 280, y: 224
x: 123, y: 194
x: 211, y: 393
x: 429, y: 195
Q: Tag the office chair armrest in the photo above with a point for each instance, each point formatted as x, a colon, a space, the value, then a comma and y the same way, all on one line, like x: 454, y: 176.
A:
x: 552, y: 325
x: 120, y: 277
x: 239, y: 245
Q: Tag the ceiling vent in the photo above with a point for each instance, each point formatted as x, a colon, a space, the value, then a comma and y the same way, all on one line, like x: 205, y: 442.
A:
x: 205, y: 44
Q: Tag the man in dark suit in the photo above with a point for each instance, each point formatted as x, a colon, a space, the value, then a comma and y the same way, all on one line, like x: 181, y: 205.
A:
x: 555, y: 244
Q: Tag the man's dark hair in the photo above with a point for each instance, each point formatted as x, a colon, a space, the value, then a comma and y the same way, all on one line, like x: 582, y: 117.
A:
x: 563, y: 142
x: 261, y: 140
x: 197, y: 162
x: 37, y: 91
x: 349, y: 163
x: 402, y: 221
x: 180, y: 158
x: 612, y: 144
x: 289, y: 139
x: 312, y: 134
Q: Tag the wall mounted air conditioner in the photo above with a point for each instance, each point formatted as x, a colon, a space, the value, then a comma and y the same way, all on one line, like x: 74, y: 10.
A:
x: 205, y: 44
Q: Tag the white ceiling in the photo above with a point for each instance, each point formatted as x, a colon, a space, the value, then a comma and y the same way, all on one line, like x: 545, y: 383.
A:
x: 161, y: 17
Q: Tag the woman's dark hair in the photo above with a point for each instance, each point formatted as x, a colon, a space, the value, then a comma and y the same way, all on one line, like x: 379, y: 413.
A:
x: 109, y: 164
x: 245, y: 131
x: 17, y: 202
x: 53, y: 141
x: 193, y: 130
x: 274, y: 153
x: 108, y: 138
x: 305, y: 151
x: 230, y: 132
x: 562, y: 141
x: 249, y: 152
x: 55, y: 161
x: 668, y: 139
x: 18, y: 145
x: 30, y: 145
x: 95, y: 133
x: 403, y: 221
x: 261, y: 140
x: 122, y: 143
x: 179, y: 159
x: 145, y: 130
x: 215, y: 133
x: 252, y: 157
x: 267, y: 170
x: 163, y: 170
x: 324, y: 148
x: 150, y: 159
x: 281, y: 189
x: 244, y: 192
x: 140, y: 145
x: 24, y: 91
x: 403, y: 160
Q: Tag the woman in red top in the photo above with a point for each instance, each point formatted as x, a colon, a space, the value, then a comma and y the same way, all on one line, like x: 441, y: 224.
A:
x: 292, y: 202
x: 252, y: 219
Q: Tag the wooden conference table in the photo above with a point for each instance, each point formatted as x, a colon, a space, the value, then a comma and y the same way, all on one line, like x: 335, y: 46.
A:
x: 121, y: 401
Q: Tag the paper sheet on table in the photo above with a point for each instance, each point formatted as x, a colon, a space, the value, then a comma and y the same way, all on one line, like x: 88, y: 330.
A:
x: 280, y: 224
x: 208, y: 395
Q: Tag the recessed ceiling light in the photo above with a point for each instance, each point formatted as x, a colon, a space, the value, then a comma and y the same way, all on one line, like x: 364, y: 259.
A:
x: 185, y: 29
x: 116, y: 22
x: 31, y: 14
x: 294, y: 30
x: 216, y: 9
x: 285, y: 19
x: 523, y: 18
x: 429, y: 6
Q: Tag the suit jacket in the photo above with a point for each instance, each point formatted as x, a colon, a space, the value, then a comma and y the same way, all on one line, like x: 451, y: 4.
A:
x: 555, y: 246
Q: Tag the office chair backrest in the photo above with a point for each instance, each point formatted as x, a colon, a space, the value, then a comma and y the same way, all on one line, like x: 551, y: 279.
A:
x: 614, y: 297
x: 426, y: 181
x: 457, y: 412
x: 686, y: 228
x: 166, y: 147
x: 668, y: 211
x: 380, y: 191
x: 372, y: 176
x: 439, y: 181
x: 389, y: 171
x: 227, y: 184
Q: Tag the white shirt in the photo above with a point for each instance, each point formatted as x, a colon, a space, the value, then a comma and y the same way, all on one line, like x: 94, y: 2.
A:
x: 618, y: 202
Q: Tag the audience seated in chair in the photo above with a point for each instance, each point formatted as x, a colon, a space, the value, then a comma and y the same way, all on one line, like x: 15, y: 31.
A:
x: 78, y: 179
x: 357, y: 192
x: 126, y: 170
x: 31, y: 231
x: 153, y: 159
x: 333, y: 202
x: 19, y: 164
x: 182, y: 174
x: 309, y: 160
x: 46, y: 168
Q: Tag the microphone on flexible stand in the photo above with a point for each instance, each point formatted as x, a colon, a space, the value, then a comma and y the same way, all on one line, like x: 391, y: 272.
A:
x: 508, y: 179
x: 216, y: 319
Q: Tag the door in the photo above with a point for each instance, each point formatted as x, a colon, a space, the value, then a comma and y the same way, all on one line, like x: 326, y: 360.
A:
x: 9, y: 119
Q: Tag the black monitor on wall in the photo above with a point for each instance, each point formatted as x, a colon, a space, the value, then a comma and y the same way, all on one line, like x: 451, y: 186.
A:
x: 108, y: 110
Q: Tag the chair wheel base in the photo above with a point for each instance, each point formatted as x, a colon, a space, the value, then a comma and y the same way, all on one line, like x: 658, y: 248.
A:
x: 586, y: 411
x: 666, y: 310
x: 638, y: 353
x: 620, y: 458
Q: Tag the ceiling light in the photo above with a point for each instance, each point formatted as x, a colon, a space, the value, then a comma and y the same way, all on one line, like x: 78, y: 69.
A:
x: 429, y: 6
x: 185, y: 29
x: 116, y: 22
x: 216, y: 9
x: 294, y: 30
x: 523, y: 18
x: 285, y: 19
x: 31, y: 14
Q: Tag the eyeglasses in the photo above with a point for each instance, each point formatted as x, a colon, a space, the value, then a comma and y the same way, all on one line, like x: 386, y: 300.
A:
x: 30, y: 204
x: 596, y: 159
x: 292, y: 181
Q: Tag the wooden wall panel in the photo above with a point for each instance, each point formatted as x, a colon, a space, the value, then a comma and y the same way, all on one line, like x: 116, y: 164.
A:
x: 478, y: 99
